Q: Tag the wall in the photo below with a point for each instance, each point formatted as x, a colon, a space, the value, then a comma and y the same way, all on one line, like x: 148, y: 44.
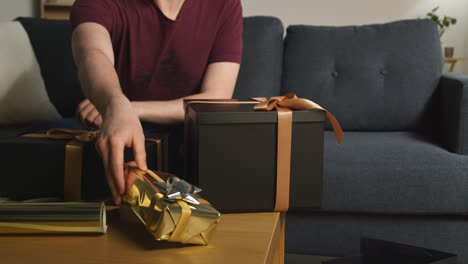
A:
x: 356, y: 12
x: 11, y: 9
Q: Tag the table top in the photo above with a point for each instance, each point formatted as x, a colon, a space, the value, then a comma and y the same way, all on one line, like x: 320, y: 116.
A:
x: 239, y: 238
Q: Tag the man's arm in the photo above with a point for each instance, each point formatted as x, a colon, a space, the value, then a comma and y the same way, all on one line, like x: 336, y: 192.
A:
x: 94, y: 57
x: 218, y: 83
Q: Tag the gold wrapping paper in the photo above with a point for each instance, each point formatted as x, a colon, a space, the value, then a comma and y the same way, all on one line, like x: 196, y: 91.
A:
x: 177, y: 221
x: 52, y: 218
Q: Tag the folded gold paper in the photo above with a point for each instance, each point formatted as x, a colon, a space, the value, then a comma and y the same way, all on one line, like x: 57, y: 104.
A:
x: 52, y: 218
x: 170, y: 208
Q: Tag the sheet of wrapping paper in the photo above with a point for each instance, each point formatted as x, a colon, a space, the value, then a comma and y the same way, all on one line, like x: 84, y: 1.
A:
x: 162, y: 218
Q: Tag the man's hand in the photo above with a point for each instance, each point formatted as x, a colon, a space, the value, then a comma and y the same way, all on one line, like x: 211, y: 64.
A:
x: 88, y: 115
x: 121, y: 128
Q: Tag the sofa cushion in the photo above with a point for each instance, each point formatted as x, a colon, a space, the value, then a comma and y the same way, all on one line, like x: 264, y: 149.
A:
x: 373, y: 77
x: 23, y: 97
x: 51, y: 41
x: 393, y: 172
x: 260, y: 71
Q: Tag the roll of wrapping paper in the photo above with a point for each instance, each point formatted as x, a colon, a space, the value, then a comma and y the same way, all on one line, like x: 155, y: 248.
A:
x: 174, y: 221
x: 52, y: 218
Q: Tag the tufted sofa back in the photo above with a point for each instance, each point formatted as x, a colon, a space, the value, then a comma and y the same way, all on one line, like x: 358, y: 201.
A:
x: 373, y: 77
x: 262, y: 58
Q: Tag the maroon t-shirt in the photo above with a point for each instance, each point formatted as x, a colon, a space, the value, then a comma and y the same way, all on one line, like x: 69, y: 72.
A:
x: 160, y: 59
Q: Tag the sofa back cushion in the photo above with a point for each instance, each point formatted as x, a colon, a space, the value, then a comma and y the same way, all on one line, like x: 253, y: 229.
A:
x: 51, y: 41
x: 373, y: 77
x: 23, y: 97
x: 260, y: 71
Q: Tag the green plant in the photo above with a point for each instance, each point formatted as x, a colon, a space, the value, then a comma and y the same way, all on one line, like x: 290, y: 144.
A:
x: 443, y: 23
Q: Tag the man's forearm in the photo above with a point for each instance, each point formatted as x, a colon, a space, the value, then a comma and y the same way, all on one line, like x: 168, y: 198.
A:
x: 168, y: 112
x: 99, y: 80
x: 94, y: 58
x: 218, y: 83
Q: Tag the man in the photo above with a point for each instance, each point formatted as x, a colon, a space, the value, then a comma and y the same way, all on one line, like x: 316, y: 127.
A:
x: 138, y: 59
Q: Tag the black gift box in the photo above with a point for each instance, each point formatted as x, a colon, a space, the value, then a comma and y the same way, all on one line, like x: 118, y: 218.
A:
x: 375, y: 251
x: 231, y: 153
x: 34, y: 167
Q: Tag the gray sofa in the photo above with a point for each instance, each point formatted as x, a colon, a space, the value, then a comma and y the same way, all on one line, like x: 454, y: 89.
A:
x: 401, y: 171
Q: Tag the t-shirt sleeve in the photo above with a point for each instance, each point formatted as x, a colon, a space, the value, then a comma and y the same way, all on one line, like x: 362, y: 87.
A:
x: 97, y: 11
x: 228, y: 42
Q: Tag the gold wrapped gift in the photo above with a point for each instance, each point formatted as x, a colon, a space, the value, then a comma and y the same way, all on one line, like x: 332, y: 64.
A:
x: 170, y: 208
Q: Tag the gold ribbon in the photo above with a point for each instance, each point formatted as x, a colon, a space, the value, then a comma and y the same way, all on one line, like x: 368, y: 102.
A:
x: 73, y: 157
x: 185, y: 213
x: 284, y: 105
x: 290, y: 101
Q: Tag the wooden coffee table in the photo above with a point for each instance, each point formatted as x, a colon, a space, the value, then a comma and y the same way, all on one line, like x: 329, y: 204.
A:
x: 239, y: 238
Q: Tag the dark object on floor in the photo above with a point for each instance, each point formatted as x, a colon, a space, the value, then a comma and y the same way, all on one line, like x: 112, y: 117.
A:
x: 374, y: 251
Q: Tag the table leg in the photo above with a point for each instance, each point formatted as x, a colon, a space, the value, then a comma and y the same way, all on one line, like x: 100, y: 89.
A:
x: 452, y: 66
x: 279, y: 253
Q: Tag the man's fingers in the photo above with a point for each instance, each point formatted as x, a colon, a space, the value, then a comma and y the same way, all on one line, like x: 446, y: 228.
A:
x: 80, y: 118
x: 103, y: 151
x: 139, y: 152
x: 98, y: 121
x: 92, y: 115
x: 132, y: 164
x: 84, y: 112
x: 83, y: 104
x: 129, y: 180
x: 115, y: 194
x: 116, y: 162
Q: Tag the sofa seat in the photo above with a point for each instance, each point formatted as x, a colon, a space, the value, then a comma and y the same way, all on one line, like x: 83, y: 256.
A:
x: 393, y: 173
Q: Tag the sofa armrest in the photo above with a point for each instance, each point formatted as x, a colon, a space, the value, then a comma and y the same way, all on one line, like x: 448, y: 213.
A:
x: 454, y: 112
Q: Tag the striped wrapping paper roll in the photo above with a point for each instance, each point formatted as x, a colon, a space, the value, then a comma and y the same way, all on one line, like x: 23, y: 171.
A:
x: 52, y: 218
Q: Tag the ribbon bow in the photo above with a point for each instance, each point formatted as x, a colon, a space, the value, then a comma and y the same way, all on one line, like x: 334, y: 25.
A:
x: 82, y: 136
x: 285, y: 105
x: 288, y: 102
x: 177, y: 189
